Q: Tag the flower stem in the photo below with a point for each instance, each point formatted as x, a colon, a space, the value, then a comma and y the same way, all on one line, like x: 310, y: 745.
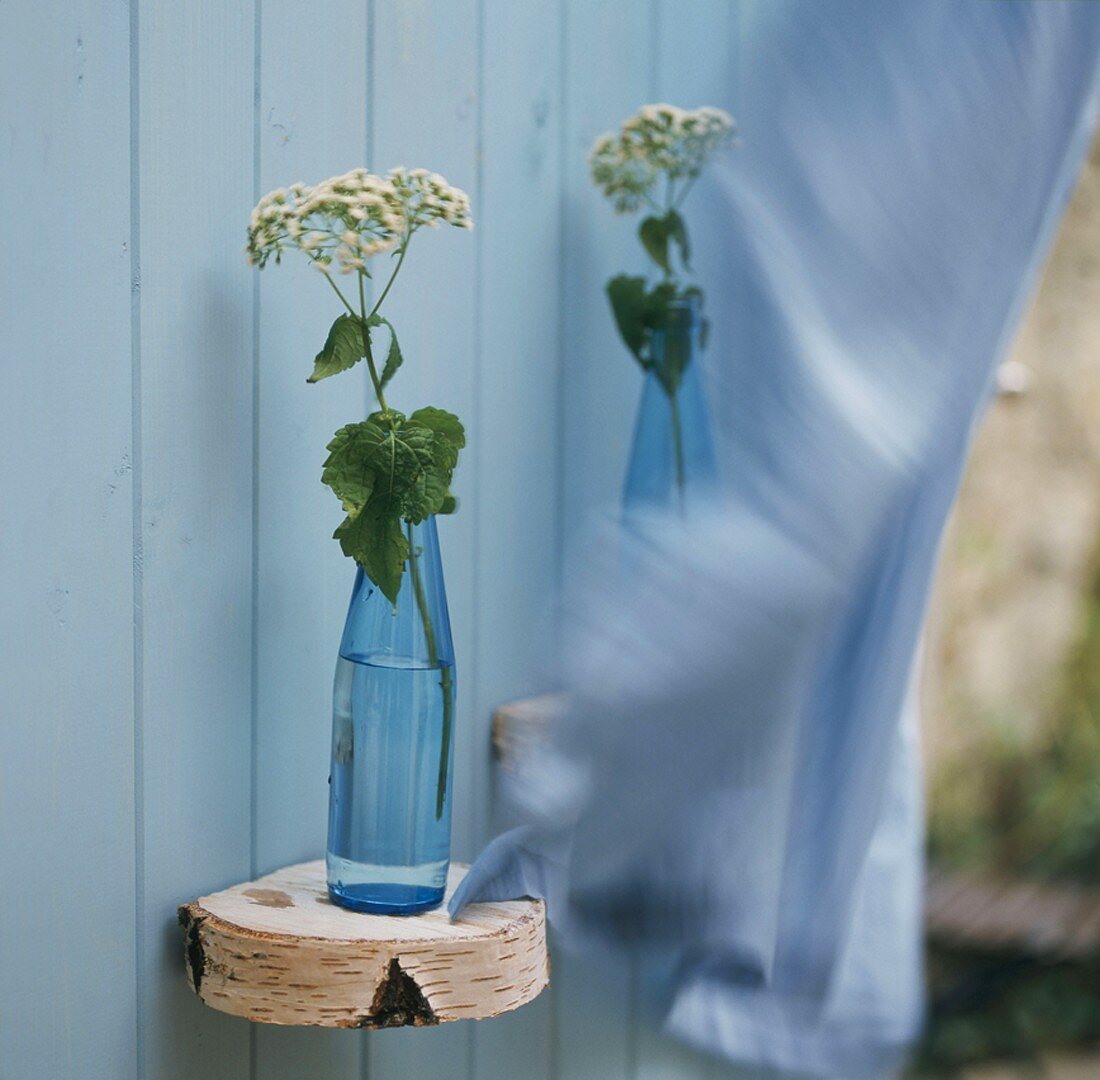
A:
x: 336, y: 288
x: 445, y: 682
x: 677, y: 446
x: 679, y: 201
x: 366, y: 345
x: 393, y: 276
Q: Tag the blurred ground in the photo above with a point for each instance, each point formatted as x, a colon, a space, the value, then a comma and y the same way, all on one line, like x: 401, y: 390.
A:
x: 1019, y: 545
x: 1009, y: 627
x: 1085, y: 1067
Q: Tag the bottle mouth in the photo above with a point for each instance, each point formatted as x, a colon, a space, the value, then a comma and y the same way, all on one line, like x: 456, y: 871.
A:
x: 683, y: 313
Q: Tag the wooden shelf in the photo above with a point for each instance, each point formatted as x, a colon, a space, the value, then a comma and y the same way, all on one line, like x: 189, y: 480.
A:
x: 278, y: 951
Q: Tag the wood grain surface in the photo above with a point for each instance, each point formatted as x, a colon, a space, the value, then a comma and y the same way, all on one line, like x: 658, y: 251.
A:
x: 278, y: 951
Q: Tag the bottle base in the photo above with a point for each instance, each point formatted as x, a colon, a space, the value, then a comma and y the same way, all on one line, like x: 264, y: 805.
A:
x: 385, y: 899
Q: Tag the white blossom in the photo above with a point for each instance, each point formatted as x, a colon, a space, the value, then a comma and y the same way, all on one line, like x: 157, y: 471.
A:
x: 658, y: 141
x: 348, y: 218
x: 427, y: 199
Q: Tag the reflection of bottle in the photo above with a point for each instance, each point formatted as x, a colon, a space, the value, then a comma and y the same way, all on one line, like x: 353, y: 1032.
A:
x: 393, y: 706
x: 673, y: 453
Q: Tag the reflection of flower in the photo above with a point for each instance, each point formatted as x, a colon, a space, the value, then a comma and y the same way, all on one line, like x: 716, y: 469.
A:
x: 653, y: 161
x: 347, y: 219
x: 658, y: 140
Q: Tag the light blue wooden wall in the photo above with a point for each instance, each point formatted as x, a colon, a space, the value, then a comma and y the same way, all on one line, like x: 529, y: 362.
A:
x: 172, y: 602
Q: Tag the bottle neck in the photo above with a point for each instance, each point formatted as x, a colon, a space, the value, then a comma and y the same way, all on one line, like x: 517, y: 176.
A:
x: 415, y: 632
x: 674, y: 347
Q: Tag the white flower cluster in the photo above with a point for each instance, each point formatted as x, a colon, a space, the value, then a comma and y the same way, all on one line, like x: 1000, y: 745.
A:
x: 427, y: 199
x: 347, y: 219
x: 658, y: 140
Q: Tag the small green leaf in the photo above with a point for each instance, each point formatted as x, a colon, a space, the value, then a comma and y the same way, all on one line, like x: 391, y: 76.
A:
x: 628, y: 303
x: 394, y: 359
x: 677, y: 232
x: 375, y: 540
x: 449, y: 504
x: 654, y: 233
x: 343, y: 349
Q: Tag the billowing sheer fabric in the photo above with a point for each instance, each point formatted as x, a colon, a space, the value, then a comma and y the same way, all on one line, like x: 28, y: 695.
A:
x: 735, y: 783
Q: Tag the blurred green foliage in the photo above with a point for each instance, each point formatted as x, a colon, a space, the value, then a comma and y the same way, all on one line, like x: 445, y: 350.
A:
x: 1021, y: 807
x: 1031, y: 807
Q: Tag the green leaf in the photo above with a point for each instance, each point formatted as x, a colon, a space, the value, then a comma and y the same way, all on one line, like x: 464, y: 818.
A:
x: 673, y: 361
x: 349, y: 468
x: 397, y: 462
x: 657, y: 301
x: 446, y: 437
x: 677, y: 232
x: 394, y: 359
x: 427, y: 495
x: 628, y: 303
x: 443, y: 423
x: 343, y: 349
x: 374, y: 539
x: 385, y: 470
x: 654, y: 233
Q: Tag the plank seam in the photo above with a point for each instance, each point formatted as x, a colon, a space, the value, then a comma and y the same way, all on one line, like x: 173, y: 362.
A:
x: 136, y: 537
x: 254, y: 656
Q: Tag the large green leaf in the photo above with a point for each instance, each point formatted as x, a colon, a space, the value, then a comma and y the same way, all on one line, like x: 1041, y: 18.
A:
x: 374, y: 539
x: 349, y: 468
x: 443, y: 423
x: 445, y: 437
x: 387, y: 470
x: 427, y: 495
x: 397, y: 461
x: 628, y: 304
x: 344, y: 348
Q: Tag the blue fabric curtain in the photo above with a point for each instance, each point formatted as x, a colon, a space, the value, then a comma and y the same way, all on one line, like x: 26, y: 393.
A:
x: 735, y: 782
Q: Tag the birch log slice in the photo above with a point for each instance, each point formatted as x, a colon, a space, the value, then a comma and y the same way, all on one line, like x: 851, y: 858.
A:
x: 276, y: 950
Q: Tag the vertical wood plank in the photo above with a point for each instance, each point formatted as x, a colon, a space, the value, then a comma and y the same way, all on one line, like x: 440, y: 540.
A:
x: 196, y: 180
x: 693, y: 65
x: 66, y: 666
x: 607, y: 76
x: 311, y: 124
x: 519, y: 232
x: 424, y: 57
x: 696, y: 63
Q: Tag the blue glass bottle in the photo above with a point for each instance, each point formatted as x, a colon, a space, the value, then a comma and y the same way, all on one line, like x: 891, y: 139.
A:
x: 672, y: 461
x: 389, y: 835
